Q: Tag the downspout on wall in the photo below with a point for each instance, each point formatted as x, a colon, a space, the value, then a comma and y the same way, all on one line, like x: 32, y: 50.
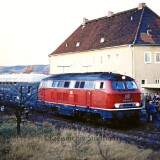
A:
x: 141, y: 6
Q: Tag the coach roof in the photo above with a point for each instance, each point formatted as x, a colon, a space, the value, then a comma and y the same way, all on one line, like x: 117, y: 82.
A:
x: 88, y: 76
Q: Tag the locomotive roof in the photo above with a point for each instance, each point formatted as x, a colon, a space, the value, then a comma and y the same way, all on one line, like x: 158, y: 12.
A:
x: 88, y: 76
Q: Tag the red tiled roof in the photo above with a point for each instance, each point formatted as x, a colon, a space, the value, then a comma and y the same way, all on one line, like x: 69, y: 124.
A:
x: 136, y: 26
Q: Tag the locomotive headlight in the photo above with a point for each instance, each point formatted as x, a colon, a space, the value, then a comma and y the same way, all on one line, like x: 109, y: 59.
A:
x: 137, y: 104
x: 123, y: 77
x: 116, y: 105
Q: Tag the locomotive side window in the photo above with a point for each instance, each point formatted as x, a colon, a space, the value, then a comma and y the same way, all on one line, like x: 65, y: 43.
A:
x: 61, y: 84
x: 82, y: 84
x: 89, y: 84
x: 55, y: 84
x: 43, y: 84
x: 66, y: 84
x: 77, y: 84
x: 49, y: 83
x: 40, y: 85
x: 72, y: 84
x: 100, y: 85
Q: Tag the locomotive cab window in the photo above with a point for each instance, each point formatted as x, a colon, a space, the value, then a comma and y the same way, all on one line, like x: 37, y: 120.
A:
x: 131, y: 85
x: 118, y: 85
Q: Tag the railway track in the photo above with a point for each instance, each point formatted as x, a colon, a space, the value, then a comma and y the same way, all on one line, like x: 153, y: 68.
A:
x: 145, y: 136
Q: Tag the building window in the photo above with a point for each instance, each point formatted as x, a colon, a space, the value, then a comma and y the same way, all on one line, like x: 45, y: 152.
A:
x: 157, y: 57
x: 117, y: 58
x: 101, y: 59
x: 102, y: 40
x: 93, y: 60
x: 77, y: 44
x: 108, y: 58
x: 157, y: 81
x: 147, y: 57
x: 143, y: 81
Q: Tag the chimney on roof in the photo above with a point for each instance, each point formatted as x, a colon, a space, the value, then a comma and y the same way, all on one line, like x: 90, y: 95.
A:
x: 141, y: 5
x: 85, y: 20
x: 110, y: 13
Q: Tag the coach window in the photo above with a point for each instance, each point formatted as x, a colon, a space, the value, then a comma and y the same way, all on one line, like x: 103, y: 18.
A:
x: 61, y: 84
x: 66, y: 84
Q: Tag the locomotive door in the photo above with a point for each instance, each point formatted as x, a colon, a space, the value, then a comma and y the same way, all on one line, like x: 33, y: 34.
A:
x: 88, y: 98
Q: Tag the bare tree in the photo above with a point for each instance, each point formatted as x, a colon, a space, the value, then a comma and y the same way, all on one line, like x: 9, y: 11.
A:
x: 18, y: 96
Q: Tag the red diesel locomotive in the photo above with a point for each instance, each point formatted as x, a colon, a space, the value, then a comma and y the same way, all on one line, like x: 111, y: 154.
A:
x: 103, y: 95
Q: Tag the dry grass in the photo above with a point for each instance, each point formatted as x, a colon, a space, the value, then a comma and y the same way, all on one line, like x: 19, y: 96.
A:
x: 73, y: 145
x: 68, y: 145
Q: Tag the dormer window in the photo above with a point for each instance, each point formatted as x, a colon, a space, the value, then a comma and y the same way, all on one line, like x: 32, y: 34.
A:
x: 78, y: 44
x: 102, y: 40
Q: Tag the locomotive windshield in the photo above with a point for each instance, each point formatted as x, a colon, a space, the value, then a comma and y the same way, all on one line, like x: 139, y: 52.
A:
x: 124, y: 85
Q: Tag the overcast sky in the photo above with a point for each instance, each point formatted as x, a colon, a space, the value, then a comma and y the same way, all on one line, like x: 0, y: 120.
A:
x: 31, y: 29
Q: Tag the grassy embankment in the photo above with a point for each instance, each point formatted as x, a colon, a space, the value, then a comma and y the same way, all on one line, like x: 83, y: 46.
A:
x: 45, y: 142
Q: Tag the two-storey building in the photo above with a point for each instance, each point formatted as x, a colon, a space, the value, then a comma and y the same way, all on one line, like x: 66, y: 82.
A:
x: 127, y: 42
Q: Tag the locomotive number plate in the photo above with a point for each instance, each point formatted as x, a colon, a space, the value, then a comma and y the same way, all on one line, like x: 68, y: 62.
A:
x: 127, y: 96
